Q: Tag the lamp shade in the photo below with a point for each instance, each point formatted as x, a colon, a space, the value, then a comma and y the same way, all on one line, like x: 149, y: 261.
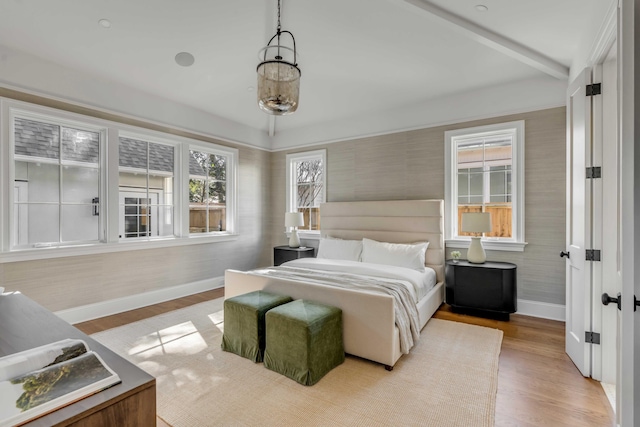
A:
x: 293, y: 219
x: 278, y: 87
x: 476, y: 222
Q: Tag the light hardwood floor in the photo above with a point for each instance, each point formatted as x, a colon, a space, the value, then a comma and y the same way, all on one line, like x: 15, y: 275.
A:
x: 538, y: 385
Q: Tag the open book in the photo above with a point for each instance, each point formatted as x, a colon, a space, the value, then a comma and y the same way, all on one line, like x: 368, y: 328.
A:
x: 40, y: 380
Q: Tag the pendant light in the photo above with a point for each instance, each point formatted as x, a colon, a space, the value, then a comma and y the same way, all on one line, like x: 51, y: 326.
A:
x: 278, y: 76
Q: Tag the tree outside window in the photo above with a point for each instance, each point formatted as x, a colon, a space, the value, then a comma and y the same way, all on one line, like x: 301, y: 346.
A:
x: 306, y: 186
x: 207, y: 192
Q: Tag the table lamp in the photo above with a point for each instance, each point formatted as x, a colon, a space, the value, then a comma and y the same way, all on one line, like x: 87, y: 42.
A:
x: 293, y: 220
x: 476, y: 222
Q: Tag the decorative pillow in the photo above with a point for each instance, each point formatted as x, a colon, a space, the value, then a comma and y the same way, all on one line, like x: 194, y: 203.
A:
x: 332, y: 248
x: 400, y: 255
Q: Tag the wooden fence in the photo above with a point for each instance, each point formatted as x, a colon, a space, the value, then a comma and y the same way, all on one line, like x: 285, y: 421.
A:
x: 198, y: 218
x: 500, y: 219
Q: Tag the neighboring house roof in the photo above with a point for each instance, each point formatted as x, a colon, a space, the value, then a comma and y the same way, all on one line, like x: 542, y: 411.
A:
x: 38, y: 139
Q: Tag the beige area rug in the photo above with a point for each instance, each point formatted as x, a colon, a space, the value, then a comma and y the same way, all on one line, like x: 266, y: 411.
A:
x: 449, y: 379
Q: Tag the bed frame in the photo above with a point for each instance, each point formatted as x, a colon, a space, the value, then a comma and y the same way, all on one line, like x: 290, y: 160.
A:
x: 368, y: 318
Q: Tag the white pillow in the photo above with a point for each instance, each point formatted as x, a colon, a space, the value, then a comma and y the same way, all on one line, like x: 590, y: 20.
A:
x: 409, y: 256
x: 348, y: 250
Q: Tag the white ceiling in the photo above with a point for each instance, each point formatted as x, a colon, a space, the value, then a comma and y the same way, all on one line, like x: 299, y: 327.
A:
x: 358, y: 58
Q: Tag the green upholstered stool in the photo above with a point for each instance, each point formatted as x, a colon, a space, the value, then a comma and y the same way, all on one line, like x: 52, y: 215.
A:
x: 304, y: 340
x: 244, y: 323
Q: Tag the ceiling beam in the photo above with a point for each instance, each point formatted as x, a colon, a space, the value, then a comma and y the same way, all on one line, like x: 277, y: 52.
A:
x: 272, y: 125
x: 495, y: 41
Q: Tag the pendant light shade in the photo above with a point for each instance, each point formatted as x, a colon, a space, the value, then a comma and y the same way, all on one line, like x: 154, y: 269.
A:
x: 278, y: 76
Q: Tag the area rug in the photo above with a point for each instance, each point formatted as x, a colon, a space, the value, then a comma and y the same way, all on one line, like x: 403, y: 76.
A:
x: 449, y: 379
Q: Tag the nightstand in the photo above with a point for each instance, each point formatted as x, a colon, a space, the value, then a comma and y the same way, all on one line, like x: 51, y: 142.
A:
x: 285, y: 253
x: 488, y: 288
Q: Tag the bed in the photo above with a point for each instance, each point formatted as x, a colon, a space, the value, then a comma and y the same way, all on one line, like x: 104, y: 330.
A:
x: 369, y: 318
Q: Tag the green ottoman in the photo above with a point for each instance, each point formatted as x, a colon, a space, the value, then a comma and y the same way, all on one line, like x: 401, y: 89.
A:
x: 304, y: 340
x: 244, y: 323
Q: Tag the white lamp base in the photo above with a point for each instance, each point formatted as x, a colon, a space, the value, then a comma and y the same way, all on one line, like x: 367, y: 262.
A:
x: 294, y: 240
x: 476, y: 254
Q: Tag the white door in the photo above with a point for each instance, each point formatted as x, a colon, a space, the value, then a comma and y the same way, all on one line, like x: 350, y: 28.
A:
x: 628, y: 56
x: 606, y: 215
x: 578, y: 224
x: 138, y: 214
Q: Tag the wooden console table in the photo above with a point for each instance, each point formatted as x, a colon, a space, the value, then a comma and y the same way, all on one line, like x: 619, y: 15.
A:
x: 24, y: 324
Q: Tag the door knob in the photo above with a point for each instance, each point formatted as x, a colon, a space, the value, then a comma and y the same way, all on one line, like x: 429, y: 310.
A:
x: 562, y: 254
x: 606, y: 299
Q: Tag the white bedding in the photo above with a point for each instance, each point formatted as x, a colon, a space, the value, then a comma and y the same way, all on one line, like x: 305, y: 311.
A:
x: 406, y: 315
x: 419, y: 283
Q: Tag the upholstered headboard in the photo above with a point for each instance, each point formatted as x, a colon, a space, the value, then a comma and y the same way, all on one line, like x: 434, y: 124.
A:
x: 394, y: 221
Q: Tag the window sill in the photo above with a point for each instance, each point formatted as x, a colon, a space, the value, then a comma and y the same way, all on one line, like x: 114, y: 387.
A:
x: 490, y: 245
x: 306, y: 234
x: 102, y: 248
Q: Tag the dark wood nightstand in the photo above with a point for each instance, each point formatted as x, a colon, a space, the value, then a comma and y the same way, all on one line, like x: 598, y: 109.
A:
x: 488, y: 288
x: 285, y: 253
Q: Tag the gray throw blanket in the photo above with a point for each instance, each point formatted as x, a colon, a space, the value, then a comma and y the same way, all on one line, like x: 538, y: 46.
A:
x: 406, y: 312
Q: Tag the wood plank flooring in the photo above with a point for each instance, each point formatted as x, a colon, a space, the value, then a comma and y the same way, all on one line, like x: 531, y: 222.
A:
x: 538, y: 385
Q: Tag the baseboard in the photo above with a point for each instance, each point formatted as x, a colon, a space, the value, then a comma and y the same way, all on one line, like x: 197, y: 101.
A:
x: 544, y: 310
x: 119, y: 305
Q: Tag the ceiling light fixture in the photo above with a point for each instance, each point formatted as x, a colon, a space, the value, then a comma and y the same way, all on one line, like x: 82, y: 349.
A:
x: 481, y: 8
x: 278, y: 76
x: 105, y: 23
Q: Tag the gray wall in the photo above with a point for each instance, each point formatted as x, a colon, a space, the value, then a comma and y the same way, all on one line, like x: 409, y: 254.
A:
x: 63, y: 283
x: 410, y: 165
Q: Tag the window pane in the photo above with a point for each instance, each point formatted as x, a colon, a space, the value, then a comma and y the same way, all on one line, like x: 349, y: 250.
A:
x: 43, y: 223
x: 133, y: 154
x: 80, y: 185
x: 305, y: 186
x: 197, y: 218
x: 217, y: 193
x: 497, y: 184
x: 197, y: 191
x: 309, y: 171
x: 217, y: 167
x: 305, y: 195
x: 207, y: 192
x: 463, y: 184
x: 165, y: 220
x: 476, y: 184
x: 43, y: 182
x: 80, y: 145
x: 37, y: 139
x: 79, y: 223
x: 161, y: 157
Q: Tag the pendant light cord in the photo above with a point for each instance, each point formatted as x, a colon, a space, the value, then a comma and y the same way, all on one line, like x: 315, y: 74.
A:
x: 278, y: 32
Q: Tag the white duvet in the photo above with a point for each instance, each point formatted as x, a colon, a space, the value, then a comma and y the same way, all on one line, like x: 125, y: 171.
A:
x: 417, y: 282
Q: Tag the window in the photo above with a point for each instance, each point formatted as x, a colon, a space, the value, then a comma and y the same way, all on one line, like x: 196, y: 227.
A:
x: 306, y: 186
x: 207, y: 192
x: 74, y: 180
x: 56, y: 183
x: 484, y: 169
x: 146, y: 176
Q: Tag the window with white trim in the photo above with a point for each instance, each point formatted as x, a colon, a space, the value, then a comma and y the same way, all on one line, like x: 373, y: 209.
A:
x: 146, y: 177
x: 78, y: 184
x: 306, y: 187
x: 484, y: 172
x: 207, y: 191
x: 56, y: 185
